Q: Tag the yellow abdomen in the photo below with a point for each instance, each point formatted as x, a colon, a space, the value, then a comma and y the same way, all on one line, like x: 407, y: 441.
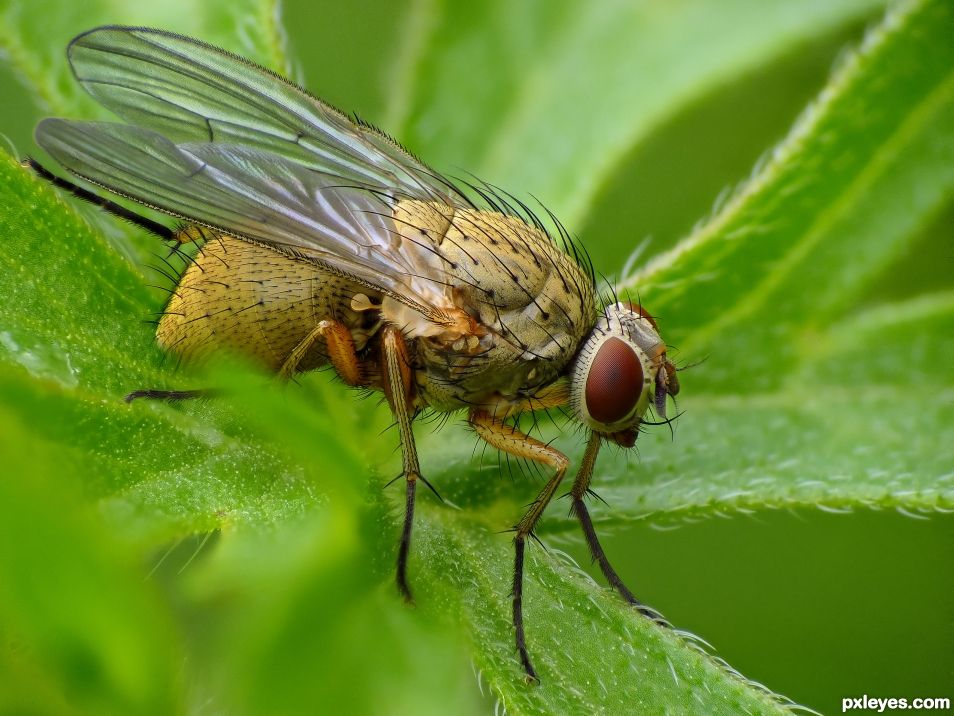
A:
x: 255, y: 301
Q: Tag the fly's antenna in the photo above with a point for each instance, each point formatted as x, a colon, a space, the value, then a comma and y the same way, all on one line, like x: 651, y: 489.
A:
x: 153, y: 227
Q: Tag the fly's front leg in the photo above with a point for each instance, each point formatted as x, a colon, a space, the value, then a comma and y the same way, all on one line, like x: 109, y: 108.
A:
x: 398, y: 387
x: 507, y: 438
x: 581, y: 487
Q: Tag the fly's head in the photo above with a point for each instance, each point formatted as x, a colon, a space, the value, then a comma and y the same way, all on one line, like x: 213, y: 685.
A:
x: 619, y: 372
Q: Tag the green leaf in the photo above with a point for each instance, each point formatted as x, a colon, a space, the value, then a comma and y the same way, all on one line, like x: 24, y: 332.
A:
x: 259, y: 520
x: 295, y: 618
x: 76, y: 617
x: 590, y: 651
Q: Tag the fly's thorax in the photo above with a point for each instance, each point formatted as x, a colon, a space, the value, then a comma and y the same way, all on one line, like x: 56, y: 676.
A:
x: 258, y: 302
x: 531, y: 305
x: 620, y: 371
x: 509, y: 276
x: 520, y: 284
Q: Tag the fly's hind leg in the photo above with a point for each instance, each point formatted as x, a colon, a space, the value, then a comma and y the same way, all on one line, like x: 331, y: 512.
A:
x: 398, y: 387
x: 509, y: 439
x: 581, y: 486
x: 341, y: 352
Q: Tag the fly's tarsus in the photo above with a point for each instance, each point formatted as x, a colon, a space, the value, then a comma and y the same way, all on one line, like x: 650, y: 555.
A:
x: 599, y: 556
x: 519, y: 544
x: 170, y: 395
x: 404, y: 547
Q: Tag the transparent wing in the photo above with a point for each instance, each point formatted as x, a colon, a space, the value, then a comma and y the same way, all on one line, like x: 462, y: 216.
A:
x: 255, y: 195
x: 189, y: 91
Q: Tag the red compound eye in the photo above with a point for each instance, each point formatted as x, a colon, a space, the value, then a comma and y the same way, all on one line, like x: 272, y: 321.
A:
x: 614, y: 382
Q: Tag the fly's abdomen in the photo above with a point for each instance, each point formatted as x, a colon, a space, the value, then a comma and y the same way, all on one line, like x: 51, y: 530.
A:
x: 256, y: 302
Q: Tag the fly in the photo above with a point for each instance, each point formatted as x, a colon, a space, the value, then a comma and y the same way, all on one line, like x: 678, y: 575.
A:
x: 325, y: 242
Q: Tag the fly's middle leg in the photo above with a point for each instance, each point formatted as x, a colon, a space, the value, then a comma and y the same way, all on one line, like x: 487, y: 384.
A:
x: 398, y: 387
x: 509, y: 439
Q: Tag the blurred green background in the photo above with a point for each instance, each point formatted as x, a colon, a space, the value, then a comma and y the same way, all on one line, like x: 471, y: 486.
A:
x: 816, y: 606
